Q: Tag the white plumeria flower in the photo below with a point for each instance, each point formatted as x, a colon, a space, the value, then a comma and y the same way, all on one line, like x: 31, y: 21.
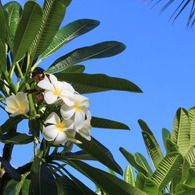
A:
x: 57, y: 130
x: 85, y: 130
x: 17, y: 104
x: 79, y: 111
x: 56, y: 90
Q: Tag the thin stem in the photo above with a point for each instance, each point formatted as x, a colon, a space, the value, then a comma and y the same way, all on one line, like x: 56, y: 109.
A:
x: 36, y: 64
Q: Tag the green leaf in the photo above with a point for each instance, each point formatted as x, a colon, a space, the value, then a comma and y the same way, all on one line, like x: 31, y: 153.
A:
x: 152, y: 145
x: 109, y: 183
x: 146, y: 184
x: 68, y: 33
x: 191, y: 178
x: 181, y: 130
x: 170, y: 146
x: 190, y: 157
x: 106, y: 123
x: 26, y: 186
x: 165, y: 134
x: 66, y: 186
x: 83, y: 187
x: 131, y: 159
x: 10, y: 170
x: 129, y: 175
x: 53, y: 14
x: 27, y: 29
x: 91, y: 83
x: 169, y: 168
x: 3, y: 58
x: 183, y: 189
x: 14, y: 11
x: 140, y: 160
x: 10, y: 123
x: 99, y: 152
x: 42, y: 179
x: 74, y: 69
x: 100, y: 50
x: 2, y: 25
x: 191, y: 113
x: 16, y: 138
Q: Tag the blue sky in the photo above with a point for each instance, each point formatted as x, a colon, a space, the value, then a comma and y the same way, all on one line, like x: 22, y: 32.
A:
x: 159, y: 58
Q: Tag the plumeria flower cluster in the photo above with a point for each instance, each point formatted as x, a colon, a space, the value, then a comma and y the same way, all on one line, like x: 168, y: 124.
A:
x: 74, y: 116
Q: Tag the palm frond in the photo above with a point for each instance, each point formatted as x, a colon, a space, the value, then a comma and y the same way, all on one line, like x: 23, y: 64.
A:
x: 178, y: 8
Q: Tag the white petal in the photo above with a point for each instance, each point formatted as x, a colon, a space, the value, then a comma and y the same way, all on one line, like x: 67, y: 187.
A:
x: 45, y: 84
x: 79, y: 120
x: 66, y: 111
x: 49, y: 97
x: 68, y: 123
x: 85, y: 131
x: 52, y: 78
x: 68, y: 87
x: 83, y: 100
x: 10, y: 101
x: 61, y: 138
x: 50, y: 132
x: 17, y: 112
x: 53, y: 118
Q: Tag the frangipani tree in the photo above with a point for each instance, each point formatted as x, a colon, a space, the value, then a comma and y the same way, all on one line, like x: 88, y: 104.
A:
x: 52, y: 101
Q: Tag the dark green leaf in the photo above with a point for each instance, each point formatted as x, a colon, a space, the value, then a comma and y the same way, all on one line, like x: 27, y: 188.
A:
x: 131, y: 159
x: 10, y: 170
x: 99, y: 152
x: 53, y: 14
x: 91, y: 83
x: 68, y: 33
x: 66, y: 186
x: 10, y: 123
x: 25, y: 187
x: 42, y: 179
x: 74, y: 69
x: 100, y: 50
x: 108, y: 182
x: 14, y: 11
x: 170, y: 146
x: 2, y: 25
x: 146, y: 184
x: 3, y: 59
x: 106, y: 123
x: 83, y: 187
x: 27, y: 29
x: 16, y: 138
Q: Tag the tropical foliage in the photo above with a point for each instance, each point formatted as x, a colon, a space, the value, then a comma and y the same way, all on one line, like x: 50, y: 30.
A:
x: 172, y: 173
x: 52, y: 102
x: 179, y: 7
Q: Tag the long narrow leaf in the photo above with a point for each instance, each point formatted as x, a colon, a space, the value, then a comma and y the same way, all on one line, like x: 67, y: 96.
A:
x: 190, y: 157
x: 100, y: 50
x: 68, y: 33
x: 152, y: 145
x: 131, y: 159
x: 191, y: 113
x: 53, y: 14
x: 109, y: 183
x: 146, y: 184
x: 14, y: 11
x: 91, y: 83
x: 99, y: 152
x: 129, y: 175
x: 108, y: 124
x: 27, y: 29
x: 168, y: 169
x: 181, y: 130
x: 2, y: 24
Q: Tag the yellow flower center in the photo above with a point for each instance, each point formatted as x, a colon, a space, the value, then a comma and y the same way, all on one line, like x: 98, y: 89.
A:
x: 57, y: 92
x: 22, y: 109
x: 60, y: 126
x: 77, y: 107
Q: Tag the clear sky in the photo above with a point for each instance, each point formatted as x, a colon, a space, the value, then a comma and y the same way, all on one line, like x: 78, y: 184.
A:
x: 159, y: 58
